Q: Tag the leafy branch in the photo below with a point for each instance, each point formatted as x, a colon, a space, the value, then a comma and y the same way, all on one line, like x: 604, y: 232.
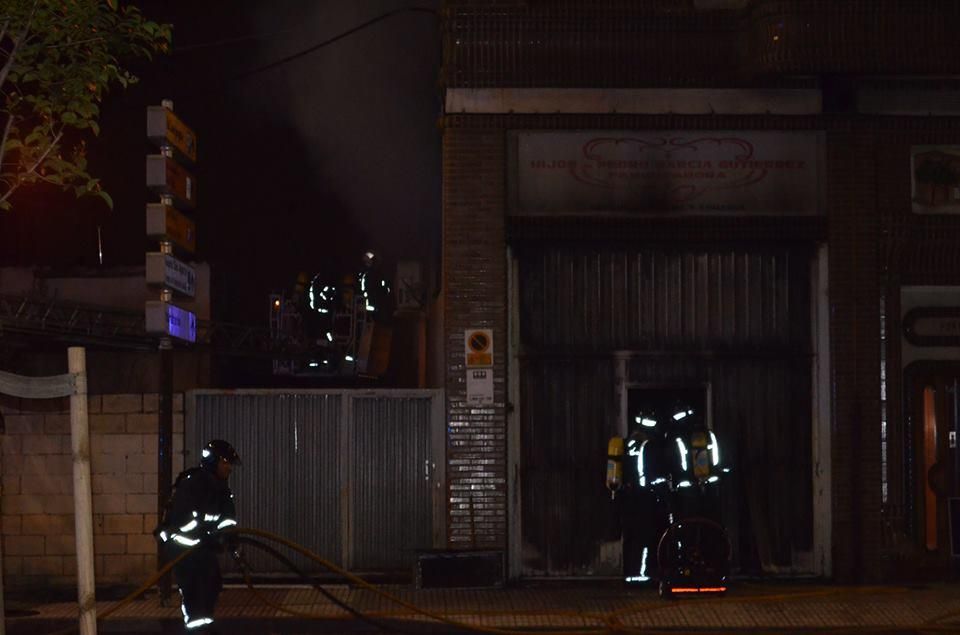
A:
x: 57, y: 62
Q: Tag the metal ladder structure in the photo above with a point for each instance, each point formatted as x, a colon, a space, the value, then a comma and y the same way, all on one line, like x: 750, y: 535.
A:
x: 56, y: 320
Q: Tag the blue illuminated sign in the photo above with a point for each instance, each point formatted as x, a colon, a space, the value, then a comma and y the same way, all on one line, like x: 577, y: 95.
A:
x: 164, y: 318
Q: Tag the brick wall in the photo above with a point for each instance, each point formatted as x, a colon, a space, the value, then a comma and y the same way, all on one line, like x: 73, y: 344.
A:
x: 855, y: 349
x: 474, y: 283
x: 39, y: 547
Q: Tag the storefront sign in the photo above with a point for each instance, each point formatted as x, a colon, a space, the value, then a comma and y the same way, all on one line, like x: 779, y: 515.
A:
x: 935, y: 179
x: 933, y: 326
x: 480, y: 386
x: 929, y: 323
x: 675, y: 172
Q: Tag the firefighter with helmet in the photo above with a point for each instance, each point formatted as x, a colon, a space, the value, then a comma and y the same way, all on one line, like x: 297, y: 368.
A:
x: 199, y: 511
x: 697, y: 467
x: 646, y: 489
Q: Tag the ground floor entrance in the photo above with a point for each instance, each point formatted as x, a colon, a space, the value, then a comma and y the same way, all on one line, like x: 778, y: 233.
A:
x: 600, y: 333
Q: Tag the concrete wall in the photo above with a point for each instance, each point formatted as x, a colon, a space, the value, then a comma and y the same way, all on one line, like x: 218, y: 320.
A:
x: 39, y: 548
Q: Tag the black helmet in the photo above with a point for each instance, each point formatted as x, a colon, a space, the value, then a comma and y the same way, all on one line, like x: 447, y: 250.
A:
x: 216, y: 450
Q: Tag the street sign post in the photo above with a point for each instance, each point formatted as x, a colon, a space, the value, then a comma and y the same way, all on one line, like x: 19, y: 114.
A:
x: 166, y: 177
x: 166, y: 271
x: 170, y: 320
x: 177, y: 188
x: 166, y: 224
x: 166, y: 130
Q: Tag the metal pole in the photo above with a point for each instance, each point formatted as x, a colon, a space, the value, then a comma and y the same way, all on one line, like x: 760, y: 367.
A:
x: 422, y: 349
x: 956, y: 438
x: 82, y: 500
x: 165, y: 449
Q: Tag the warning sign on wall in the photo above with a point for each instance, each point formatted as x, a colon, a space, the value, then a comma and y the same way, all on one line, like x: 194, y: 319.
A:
x: 478, y: 348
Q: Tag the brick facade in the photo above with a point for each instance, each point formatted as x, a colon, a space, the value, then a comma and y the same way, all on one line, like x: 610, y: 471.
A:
x: 875, y: 244
x: 39, y: 546
x: 474, y: 284
x: 855, y: 352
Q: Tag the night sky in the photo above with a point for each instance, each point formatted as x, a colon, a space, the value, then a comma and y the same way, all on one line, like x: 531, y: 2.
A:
x: 302, y: 167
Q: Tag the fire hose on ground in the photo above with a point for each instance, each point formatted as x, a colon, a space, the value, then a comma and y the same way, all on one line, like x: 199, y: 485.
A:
x: 611, y: 622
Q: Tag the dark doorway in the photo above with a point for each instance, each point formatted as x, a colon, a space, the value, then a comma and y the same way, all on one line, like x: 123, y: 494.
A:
x: 729, y: 317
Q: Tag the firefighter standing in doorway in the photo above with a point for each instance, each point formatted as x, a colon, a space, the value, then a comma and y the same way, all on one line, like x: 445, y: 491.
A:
x: 644, y: 494
x: 198, y: 513
x: 670, y: 469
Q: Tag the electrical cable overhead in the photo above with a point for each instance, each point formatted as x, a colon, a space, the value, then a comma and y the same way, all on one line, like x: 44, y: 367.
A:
x: 320, y: 45
x: 230, y: 40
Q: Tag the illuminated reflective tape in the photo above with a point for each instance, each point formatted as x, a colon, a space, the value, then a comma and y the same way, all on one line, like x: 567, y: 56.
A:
x: 636, y: 578
x: 229, y: 522
x: 640, y: 469
x: 683, y: 453
x: 187, y: 542
x: 203, y: 621
x: 211, y: 517
x: 702, y: 589
x: 163, y: 536
x: 715, y: 448
x: 190, y: 526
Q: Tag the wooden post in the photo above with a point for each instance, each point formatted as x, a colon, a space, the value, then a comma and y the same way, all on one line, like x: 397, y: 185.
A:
x: 82, y: 500
x: 3, y: 608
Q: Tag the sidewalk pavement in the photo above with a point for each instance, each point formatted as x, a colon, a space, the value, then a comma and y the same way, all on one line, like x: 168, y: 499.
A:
x: 747, y: 607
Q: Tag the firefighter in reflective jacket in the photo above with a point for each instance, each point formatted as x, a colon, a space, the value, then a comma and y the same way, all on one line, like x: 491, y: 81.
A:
x: 697, y: 469
x: 645, y: 511
x: 198, y: 513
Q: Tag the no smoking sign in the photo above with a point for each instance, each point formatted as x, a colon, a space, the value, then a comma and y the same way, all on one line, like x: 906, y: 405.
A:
x: 478, y: 348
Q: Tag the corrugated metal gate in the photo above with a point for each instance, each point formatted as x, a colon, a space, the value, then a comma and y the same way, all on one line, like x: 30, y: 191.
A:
x: 735, y: 320
x: 356, y: 476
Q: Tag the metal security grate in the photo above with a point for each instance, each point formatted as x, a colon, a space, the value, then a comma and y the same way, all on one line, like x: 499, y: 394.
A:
x: 350, y: 474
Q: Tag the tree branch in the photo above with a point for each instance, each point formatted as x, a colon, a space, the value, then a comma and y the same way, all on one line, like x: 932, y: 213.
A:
x: 16, y: 43
x: 77, y: 43
x: 6, y: 133
x: 33, y: 168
